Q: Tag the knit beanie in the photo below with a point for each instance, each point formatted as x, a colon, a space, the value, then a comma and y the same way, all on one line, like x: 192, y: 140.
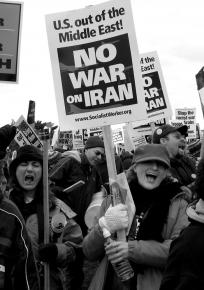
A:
x: 93, y: 142
x: 26, y: 153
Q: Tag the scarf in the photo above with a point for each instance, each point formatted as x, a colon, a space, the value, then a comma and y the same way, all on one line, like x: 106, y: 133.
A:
x: 155, y: 206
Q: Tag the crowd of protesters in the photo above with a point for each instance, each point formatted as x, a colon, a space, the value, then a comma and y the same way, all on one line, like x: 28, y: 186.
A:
x: 163, y: 240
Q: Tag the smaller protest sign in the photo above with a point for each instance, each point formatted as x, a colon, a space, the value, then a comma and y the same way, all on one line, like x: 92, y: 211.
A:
x: 137, y: 141
x: 117, y: 135
x: 187, y: 117
x: 26, y: 135
x: 146, y: 128
x: 31, y: 113
x: 200, y: 86
x: 10, y: 24
x: 155, y: 94
x: 78, y: 140
x: 128, y: 143
x: 95, y: 131
x: 65, y: 140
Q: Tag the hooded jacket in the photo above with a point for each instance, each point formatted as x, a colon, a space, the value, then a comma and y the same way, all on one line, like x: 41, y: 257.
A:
x: 16, y: 253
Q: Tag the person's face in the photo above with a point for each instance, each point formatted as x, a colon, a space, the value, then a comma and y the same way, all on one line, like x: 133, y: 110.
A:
x: 150, y: 174
x: 172, y: 142
x: 94, y: 155
x: 28, y: 174
x: 183, y: 142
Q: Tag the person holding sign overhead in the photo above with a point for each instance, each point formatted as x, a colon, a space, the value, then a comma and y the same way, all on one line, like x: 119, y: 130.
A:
x: 159, y: 218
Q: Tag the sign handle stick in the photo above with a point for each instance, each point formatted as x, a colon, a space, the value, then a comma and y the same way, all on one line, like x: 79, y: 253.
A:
x: 110, y: 156
x: 152, y: 125
x: 46, y: 143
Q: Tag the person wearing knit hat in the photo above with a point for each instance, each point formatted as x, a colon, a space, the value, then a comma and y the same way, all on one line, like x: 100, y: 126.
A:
x: 94, y: 149
x: 18, y: 268
x: 184, y: 269
x: 72, y: 168
x: 65, y: 235
x: 159, y: 218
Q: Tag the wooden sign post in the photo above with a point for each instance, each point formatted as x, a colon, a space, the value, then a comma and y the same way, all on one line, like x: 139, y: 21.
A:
x: 114, y: 187
x: 46, y: 143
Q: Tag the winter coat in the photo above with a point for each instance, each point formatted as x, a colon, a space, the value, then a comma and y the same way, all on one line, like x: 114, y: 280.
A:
x: 68, y: 241
x: 184, y: 268
x: 103, y: 169
x: 148, y: 253
x: 68, y: 171
x: 126, y: 158
x: 16, y: 251
x: 183, y: 168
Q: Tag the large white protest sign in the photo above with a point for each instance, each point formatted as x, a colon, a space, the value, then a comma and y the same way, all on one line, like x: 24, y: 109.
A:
x: 10, y: 30
x: 25, y: 135
x: 155, y: 93
x: 95, y: 64
x: 188, y: 117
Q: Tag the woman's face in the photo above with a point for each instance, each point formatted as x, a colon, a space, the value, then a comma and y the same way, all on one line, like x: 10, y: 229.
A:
x: 28, y: 174
x: 150, y: 174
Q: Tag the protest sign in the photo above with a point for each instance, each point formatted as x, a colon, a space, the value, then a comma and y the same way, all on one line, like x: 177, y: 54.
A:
x: 10, y: 30
x: 65, y: 140
x: 25, y: 134
x: 85, y: 135
x: 146, y: 128
x: 78, y: 140
x: 118, y: 135
x: 138, y: 140
x: 31, y: 113
x: 95, y: 81
x: 200, y: 86
x: 128, y: 143
x: 95, y: 131
x: 155, y: 94
x: 187, y: 117
x: 176, y: 123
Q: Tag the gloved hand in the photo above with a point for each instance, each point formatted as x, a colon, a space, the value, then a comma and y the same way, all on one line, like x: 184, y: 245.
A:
x: 48, y: 252
x: 115, y: 218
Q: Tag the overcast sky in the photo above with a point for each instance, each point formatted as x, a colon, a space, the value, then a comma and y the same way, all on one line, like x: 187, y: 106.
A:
x: 173, y: 28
